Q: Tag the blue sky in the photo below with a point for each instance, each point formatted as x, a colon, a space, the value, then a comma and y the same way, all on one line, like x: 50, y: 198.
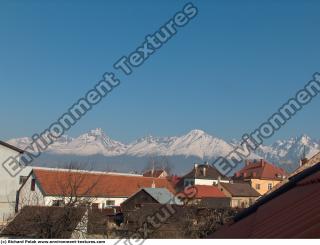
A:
x: 226, y: 72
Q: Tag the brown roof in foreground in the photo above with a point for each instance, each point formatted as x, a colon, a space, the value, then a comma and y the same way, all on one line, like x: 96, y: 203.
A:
x: 240, y: 190
x: 260, y: 169
x: 63, y: 182
x: 11, y: 147
x: 292, y: 211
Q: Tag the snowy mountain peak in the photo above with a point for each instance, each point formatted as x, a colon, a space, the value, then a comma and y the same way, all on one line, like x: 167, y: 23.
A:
x: 148, y: 138
x: 304, y: 139
x: 196, y: 132
x: 97, y: 132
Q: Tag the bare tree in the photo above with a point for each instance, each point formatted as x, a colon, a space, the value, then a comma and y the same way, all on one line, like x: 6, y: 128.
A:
x: 199, y: 223
x: 159, y: 162
x: 77, y: 188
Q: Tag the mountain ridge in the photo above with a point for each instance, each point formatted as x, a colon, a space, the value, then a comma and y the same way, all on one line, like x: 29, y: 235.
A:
x: 196, y: 143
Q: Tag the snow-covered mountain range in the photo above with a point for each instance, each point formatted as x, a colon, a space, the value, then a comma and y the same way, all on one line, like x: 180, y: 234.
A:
x: 196, y: 143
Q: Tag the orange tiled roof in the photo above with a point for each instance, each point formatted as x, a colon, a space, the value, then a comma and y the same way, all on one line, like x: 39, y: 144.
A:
x: 83, y: 183
x: 204, y: 191
x: 260, y: 169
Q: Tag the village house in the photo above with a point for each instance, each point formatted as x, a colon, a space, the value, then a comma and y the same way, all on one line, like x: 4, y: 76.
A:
x: 9, y: 184
x: 242, y: 194
x: 150, y: 195
x: 210, y: 197
x: 261, y: 175
x: 56, y: 187
x: 202, y: 174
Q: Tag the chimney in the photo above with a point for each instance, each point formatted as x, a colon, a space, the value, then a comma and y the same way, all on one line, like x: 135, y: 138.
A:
x: 303, y: 161
x: 153, y: 184
x: 204, y: 171
x: 247, y: 162
x: 262, y: 162
x: 152, y: 171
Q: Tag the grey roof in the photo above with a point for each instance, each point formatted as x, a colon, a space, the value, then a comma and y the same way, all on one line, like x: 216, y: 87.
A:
x: 163, y: 196
x: 240, y: 189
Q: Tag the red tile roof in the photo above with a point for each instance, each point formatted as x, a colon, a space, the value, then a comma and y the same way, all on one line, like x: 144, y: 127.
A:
x: 204, y: 191
x: 292, y: 211
x: 260, y: 169
x: 84, y: 183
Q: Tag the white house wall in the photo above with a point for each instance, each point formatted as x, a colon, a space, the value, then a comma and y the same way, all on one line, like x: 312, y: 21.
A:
x: 101, y: 201
x: 205, y: 182
x: 30, y: 198
x: 8, y: 185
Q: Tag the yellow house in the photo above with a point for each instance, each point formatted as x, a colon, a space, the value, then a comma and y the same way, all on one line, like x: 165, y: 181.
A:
x: 261, y: 175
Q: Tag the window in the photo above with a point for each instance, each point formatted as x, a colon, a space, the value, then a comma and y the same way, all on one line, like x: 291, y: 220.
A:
x: 33, y: 184
x: 22, y: 179
x: 110, y: 202
x: 258, y: 186
x: 57, y: 203
x: 188, y: 182
x: 269, y: 186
